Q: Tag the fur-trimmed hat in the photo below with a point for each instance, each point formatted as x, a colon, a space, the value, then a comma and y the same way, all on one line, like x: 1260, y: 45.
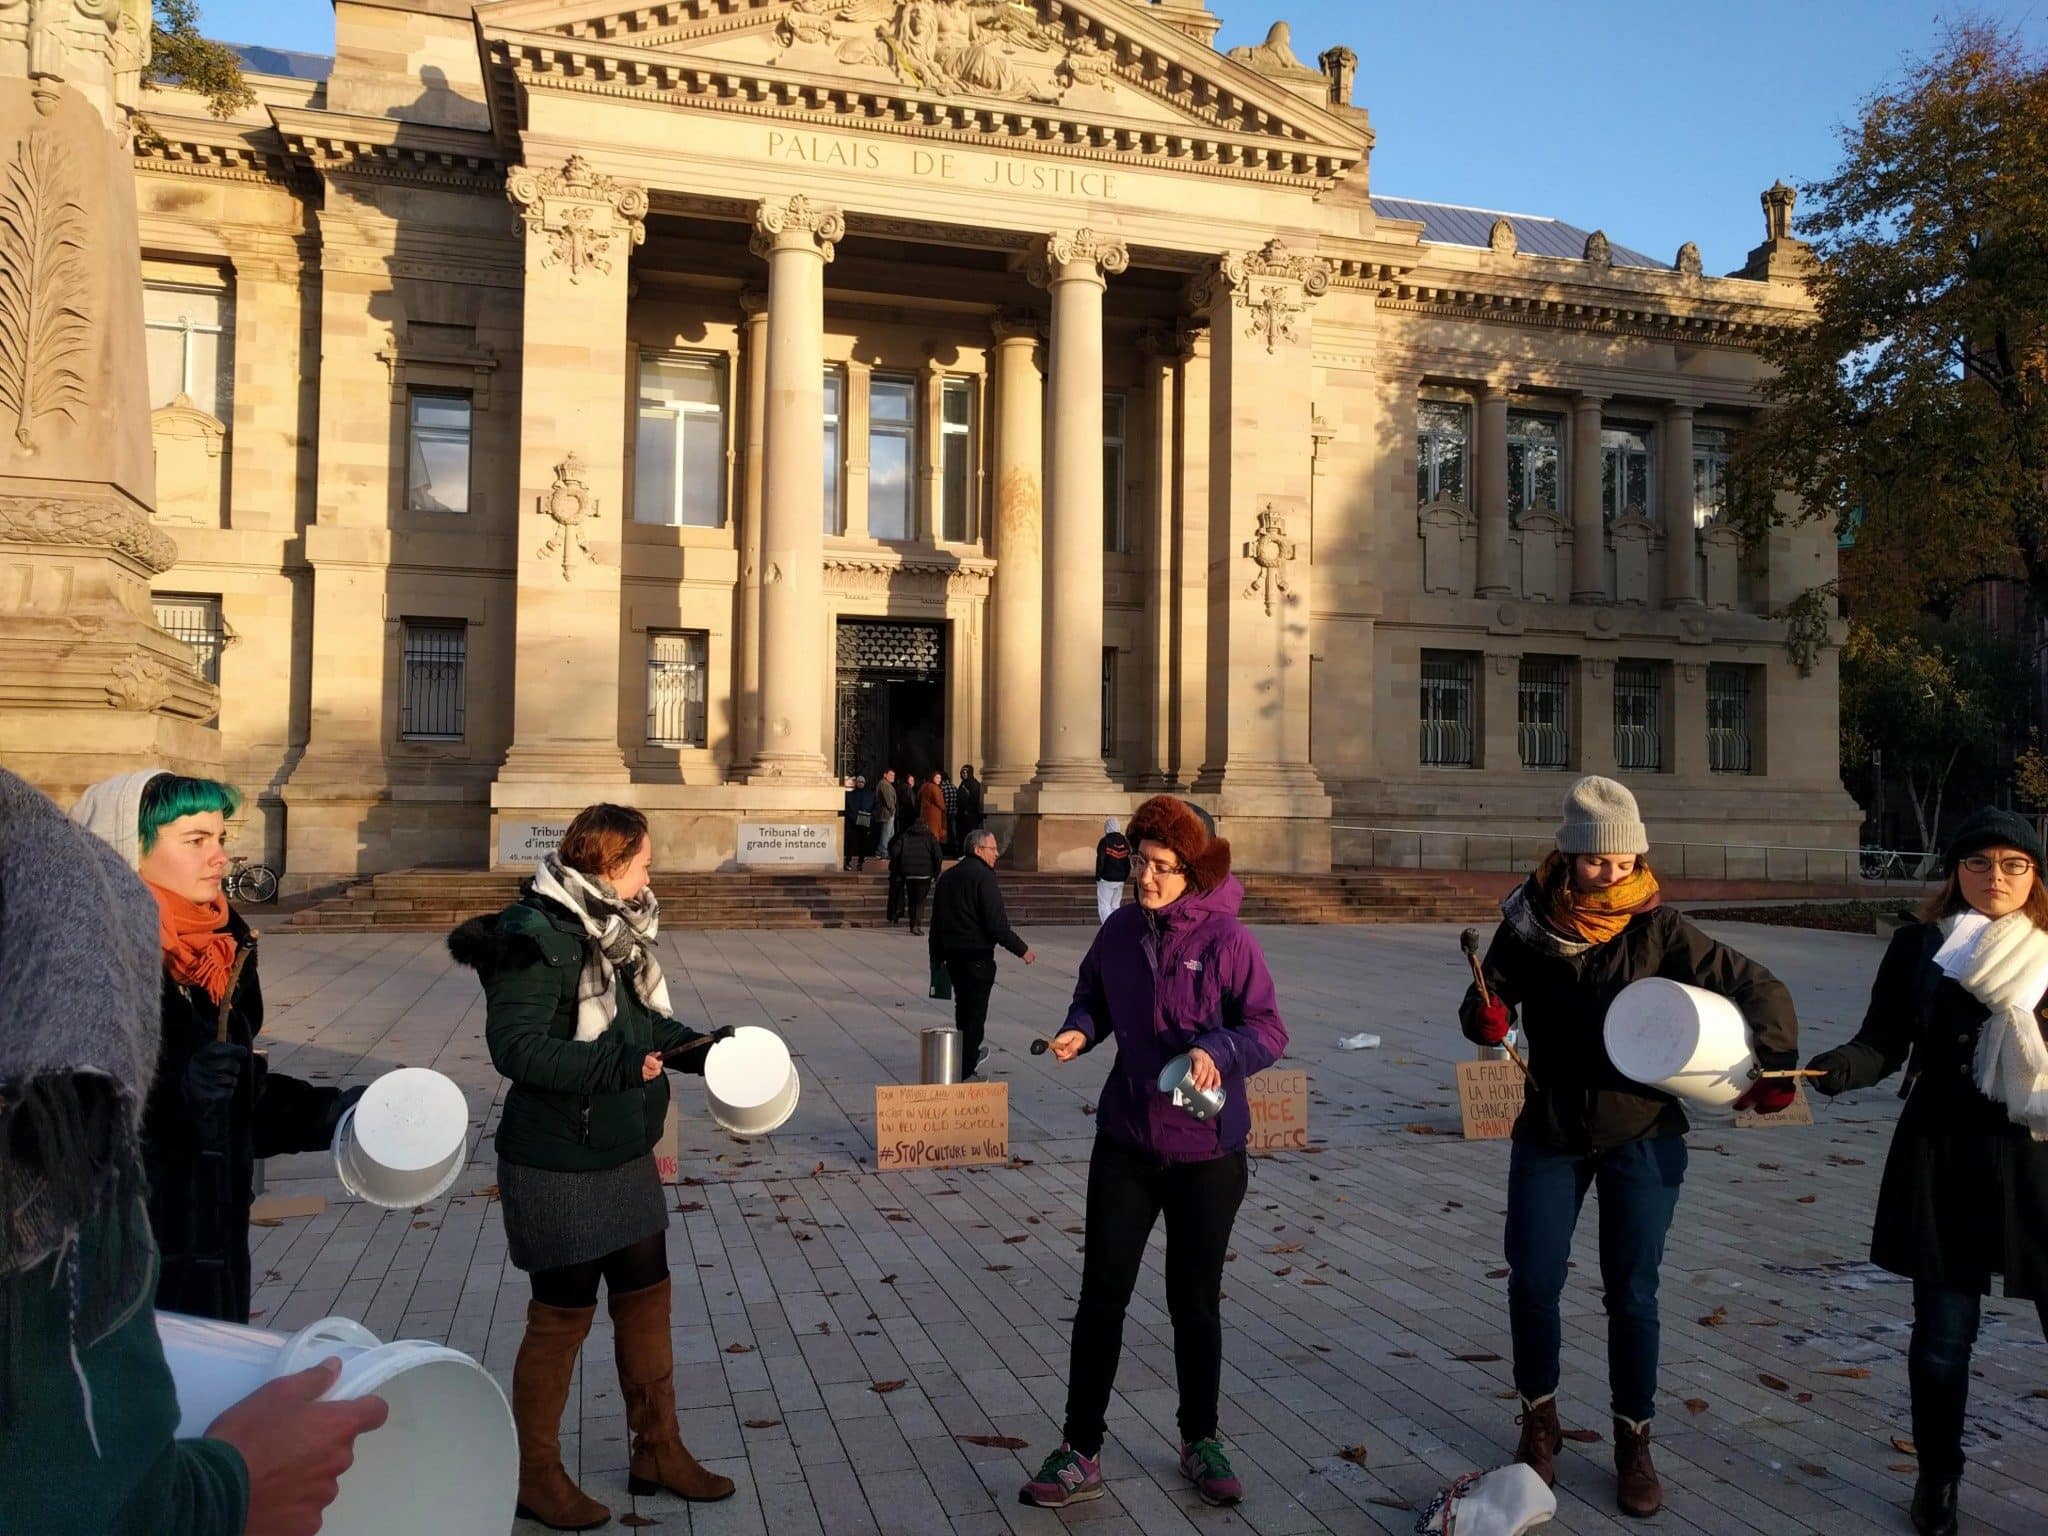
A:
x: 1171, y: 821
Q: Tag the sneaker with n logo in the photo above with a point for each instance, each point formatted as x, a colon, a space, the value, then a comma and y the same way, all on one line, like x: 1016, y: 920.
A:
x: 1067, y: 1477
x: 1204, y: 1464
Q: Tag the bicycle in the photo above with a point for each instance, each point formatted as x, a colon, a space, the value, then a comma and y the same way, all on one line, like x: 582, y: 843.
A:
x: 253, y: 883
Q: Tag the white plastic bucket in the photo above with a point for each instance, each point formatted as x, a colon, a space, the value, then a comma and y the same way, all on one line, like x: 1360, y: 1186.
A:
x: 1684, y: 1040
x: 750, y: 1082
x: 405, y: 1141
x: 446, y: 1461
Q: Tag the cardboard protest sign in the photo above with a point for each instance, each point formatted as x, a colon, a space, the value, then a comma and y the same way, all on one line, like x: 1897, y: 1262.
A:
x: 1279, y: 1104
x: 668, y: 1150
x: 941, y: 1125
x: 1798, y: 1112
x: 1489, y: 1097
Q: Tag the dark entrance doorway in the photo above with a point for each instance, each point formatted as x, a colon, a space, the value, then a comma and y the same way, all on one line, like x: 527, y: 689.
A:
x: 892, y: 698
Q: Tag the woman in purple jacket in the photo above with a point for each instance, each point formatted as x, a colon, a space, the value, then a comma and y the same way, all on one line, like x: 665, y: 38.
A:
x: 1175, y: 973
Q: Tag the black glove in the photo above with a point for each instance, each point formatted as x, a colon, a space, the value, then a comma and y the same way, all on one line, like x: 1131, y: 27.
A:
x: 212, y: 1077
x: 342, y: 1102
x: 690, y: 1055
x: 1834, y: 1067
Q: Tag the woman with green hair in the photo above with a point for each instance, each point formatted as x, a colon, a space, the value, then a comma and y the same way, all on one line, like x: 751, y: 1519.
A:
x: 213, y: 1108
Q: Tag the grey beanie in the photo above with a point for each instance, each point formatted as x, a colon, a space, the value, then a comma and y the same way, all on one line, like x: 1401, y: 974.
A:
x: 1600, y: 816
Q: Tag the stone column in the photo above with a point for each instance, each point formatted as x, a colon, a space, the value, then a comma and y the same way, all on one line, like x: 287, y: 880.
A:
x: 796, y: 236
x: 1681, y: 566
x: 1589, y: 528
x: 1492, y: 470
x: 1162, y: 369
x: 1016, y: 608
x: 88, y: 684
x: 753, y: 473
x: 1191, y: 556
x: 581, y: 227
x: 1257, y: 778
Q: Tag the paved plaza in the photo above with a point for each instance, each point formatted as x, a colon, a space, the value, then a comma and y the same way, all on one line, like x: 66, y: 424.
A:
x: 845, y: 1339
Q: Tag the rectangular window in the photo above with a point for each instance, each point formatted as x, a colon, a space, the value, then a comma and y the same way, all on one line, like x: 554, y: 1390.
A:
x: 679, y: 443
x: 1448, y: 736
x: 1728, y: 742
x: 1533, y: 462
x: 1624, y: 471
x: 892, y: 456
x: 835, y: 450
x: 437, y: 450
x: 432, y: 694
x: 1543, y: 712
x: 678, y: 666
x: 956, y: 460
x: 1113, y: 530
x: 1709, y: 474
x: 195, y: 620
x: 190, y: 345
x: 1109, y: 701
x: 1442, y: 438
x: 1639, y: 716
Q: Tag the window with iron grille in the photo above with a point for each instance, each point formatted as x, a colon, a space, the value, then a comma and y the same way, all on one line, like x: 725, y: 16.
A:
x: 1639, y: 716
x: 1442, y: 436
x: 835, y: 449
x: 956, y: 460
x: 1109, y: 701
x: 196, y: 620
x: 1114, y: 534
x: 189, y: 333
x: 437, y: 450
x: 1448, y: 736
x: 1535, y: 446
x: 432, y: 696
x: 1625, y: 471
x: 1728, y: 742
x: 1543, y: 712
x: 892, y: 456
x: 1709, y: 474
x: 678, y: 668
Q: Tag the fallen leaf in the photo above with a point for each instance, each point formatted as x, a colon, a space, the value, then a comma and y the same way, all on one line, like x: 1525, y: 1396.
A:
x: 1496, y: 1274
x: 1904, y: 1446
x: 1389, y: 1501
x: 995, y: 1442
x: 688, y: 1206
x: 1775, y: 1383
x: 888, y: 1279
x: 488, y: 1192
x: 1715, y: 1318
x: 1021, y: 1237
x: 2039, y: 1392
x: 1802, y: 1397
x: 1480, y: 1358
x: 898, y: 1216
x: 761, y: 1423
x: 884, y: 1386
x: 1583, y: 1436
x: 1355, y: 1454
x: 1813, y: 1469
x: 739, y: 1349
x: 1695, y: 1405
x: 1284, y: 1269
x: 1415, y: 1129
x: 427, y: 1224
x: 1807, y: 1199
x: 637, y: 1520
x: 1312, y: 1280
x: 995, y: 1269
x: 1285, y: 1248
x: 816, y: 1169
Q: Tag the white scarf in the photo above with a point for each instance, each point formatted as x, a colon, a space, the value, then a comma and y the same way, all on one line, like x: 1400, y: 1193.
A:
x: 621, y: 937
x: 2004, y: 965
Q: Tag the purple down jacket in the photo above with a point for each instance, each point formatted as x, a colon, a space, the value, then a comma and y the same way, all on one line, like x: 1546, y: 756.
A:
x: 1191, y: 975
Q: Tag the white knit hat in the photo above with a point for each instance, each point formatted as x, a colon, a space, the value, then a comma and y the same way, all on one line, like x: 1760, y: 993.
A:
x: 1600, y: 816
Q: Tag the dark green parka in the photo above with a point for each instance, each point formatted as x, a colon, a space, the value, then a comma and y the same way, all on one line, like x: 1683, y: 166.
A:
x: 575, y: 1106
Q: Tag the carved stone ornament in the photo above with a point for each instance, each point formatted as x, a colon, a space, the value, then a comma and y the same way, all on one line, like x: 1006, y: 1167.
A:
x: 1340, y: 67
x: 1103, y: 255
x: 569, y: 502
x: 580, y: 212
x: 782, y: 223
x: 1688, y: 262
x: 948, y: 47
x: 111, y: 525
x: 1598, y: 252
x: 1270, y: 550
x: 1778, y: 201
x: 45, y: 326
x: 1271, y: 285
x: 139, y: 683
x: 1501, y: 239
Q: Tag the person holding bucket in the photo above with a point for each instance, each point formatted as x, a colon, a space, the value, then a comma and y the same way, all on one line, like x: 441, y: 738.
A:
x: 1175, y: 975
x: 1960, y: 1001
x: 577, y: 1017
x: 1585, y: 925
x: 215, y: 1107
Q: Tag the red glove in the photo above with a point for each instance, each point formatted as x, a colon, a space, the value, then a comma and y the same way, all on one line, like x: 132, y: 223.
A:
x: 1768, y: 1096
x: 1490, y: 1022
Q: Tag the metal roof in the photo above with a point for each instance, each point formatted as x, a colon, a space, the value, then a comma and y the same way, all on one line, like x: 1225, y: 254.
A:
x: 258, y: 60
x: 1450, y: 224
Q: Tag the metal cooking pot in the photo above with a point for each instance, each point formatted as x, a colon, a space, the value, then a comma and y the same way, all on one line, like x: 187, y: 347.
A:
x: 1177, y: 1082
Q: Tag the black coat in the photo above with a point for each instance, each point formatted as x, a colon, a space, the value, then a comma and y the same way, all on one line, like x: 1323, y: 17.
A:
x: 968, y: 814
x: 1965, y: 1191
x: 968, y: 915
x: 1113, y: 858
x: 1578, y: 1100
x: 917, y: 855
x: 199, y: 1196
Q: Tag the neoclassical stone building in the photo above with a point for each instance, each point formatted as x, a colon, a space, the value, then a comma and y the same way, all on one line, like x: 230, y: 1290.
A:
x: 694, y: 401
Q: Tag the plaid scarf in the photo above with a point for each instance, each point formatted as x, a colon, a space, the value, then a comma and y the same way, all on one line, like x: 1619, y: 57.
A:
x: 621, y: 935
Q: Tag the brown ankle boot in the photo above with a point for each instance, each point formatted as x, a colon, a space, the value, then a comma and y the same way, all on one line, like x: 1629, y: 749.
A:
x: 1636, y: 1488
x: 647, y: 1377
x: 1542, y: 1437
x: 540, y: 1390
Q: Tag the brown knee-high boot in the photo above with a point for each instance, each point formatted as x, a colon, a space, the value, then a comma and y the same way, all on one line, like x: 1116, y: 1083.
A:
x: 647, y: 1377
x: 540, y: 1390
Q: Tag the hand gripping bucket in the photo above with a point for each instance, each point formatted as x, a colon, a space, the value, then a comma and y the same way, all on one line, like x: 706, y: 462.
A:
x: 405, y: 1141
x: 1682, y: 1039
x: 446, y: 1461
x: 750, y: 1082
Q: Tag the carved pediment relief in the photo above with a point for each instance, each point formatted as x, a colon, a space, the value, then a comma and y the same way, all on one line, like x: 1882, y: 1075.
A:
x: 946, y: 47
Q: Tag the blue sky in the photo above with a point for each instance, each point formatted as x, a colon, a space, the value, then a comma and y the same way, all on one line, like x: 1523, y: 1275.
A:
x: 1656, y: 120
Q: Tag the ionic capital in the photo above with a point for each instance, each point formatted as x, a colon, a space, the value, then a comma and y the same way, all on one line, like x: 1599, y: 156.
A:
x: 796, y: 224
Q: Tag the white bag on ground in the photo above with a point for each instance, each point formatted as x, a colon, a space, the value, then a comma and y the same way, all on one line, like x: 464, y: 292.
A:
x: 1504, y: 1502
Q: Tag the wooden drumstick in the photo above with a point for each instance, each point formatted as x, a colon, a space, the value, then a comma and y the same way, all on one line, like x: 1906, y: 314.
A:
x: 1756, y: 1075
x: 1468, y: 941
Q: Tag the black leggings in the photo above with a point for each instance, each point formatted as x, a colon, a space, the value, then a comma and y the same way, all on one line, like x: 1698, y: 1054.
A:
x: 632, y: 1268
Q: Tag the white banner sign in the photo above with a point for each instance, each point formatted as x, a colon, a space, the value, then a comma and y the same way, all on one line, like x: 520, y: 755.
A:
x: 788, y: 842
x: 522, y: 844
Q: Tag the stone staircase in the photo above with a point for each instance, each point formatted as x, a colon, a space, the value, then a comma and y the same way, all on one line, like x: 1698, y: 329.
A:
x: 431, y: 900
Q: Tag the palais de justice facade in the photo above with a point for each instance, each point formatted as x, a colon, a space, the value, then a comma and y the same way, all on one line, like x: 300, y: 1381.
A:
x: 688, y: 403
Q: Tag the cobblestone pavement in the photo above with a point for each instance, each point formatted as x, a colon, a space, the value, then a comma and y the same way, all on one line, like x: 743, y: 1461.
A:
x: 840, y: 1332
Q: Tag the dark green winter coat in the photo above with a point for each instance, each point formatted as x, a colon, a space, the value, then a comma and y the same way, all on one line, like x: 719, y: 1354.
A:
x: 575, y: 1106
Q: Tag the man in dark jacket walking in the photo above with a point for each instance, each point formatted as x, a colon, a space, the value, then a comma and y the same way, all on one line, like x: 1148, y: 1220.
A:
x: 915, y: 863
x: 968, y: 922
x: 885, y: 812
x: 967, y: 817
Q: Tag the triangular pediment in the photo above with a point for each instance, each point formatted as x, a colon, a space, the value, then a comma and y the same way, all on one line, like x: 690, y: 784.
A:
x: 1007, y: 67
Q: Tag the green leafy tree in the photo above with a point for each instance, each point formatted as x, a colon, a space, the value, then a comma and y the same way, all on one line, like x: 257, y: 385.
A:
x: 1913, y: 411
x: 180, y: 55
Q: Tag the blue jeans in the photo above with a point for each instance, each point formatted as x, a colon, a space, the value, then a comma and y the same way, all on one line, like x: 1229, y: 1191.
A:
x: 1938, y: 1369
x: 1638, y: 1186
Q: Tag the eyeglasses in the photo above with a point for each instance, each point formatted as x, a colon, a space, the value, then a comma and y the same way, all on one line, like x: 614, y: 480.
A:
x: 1163, y: 871
x: 1980, y: 864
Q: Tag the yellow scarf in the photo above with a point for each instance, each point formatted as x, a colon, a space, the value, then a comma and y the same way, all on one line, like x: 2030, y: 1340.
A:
x: 1597, y: 916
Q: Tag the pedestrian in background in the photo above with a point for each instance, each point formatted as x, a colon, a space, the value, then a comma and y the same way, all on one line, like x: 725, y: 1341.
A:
x: 1960, y: 1000
x: 885, y: 812
x: 916, y: 863
x: 931, y: 808
x: 951, y: 794
x: 859, y: 814
x: 972, y: 806
x: 968, y: 922
x: 1112, y: 870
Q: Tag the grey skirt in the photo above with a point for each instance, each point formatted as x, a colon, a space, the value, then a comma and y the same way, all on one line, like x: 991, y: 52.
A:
x: 555, y: 1219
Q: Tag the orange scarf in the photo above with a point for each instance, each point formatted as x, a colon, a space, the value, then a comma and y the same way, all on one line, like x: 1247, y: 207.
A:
x: 1597, y: 916
x: 198, y: 948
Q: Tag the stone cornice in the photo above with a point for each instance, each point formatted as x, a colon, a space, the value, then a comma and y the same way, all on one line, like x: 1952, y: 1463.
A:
x: 385, y: 149
x: 1630, y: 314
x: 849, y: 573
x: 220, y: 151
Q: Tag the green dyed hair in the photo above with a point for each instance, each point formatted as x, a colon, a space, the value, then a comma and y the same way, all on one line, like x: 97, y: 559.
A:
x: 169, y: 796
